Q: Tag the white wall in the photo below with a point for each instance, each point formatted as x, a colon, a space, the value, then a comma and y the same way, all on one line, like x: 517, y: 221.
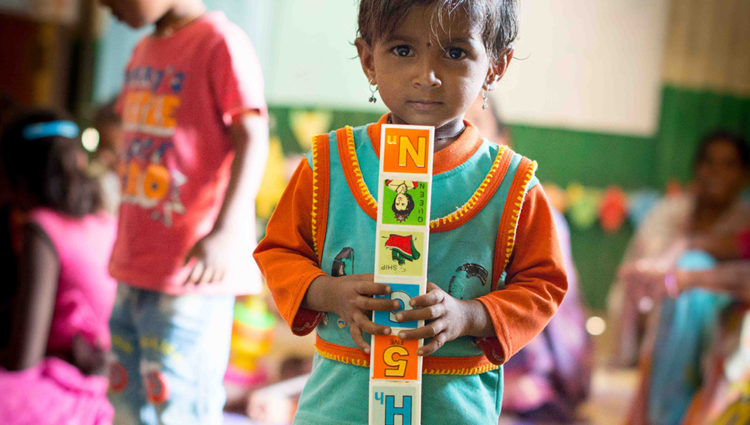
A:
x: 587, y: 64
x: 584, y: 64
x: 313, y: 59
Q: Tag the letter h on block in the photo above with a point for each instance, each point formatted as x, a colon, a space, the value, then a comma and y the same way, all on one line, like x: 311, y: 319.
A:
x: 394, y: 403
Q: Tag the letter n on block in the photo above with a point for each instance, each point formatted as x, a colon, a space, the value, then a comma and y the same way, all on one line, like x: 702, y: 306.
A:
x: 407, y: 150
x: 395, y: 403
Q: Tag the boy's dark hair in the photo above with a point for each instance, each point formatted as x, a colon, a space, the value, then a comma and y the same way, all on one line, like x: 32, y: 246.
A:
x: 738, y: 142
x: 497, y: 19
x: 47, y: 168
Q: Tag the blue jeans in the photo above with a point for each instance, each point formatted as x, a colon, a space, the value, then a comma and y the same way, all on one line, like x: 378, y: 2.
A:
x: 170, y: 354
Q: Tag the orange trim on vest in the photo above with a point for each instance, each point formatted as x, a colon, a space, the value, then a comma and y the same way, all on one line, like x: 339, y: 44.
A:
x: 481, y: 196
x: 466, y: 212
x: 320, y: 182
x: 506, y: 234
x: 353, y: 173
x: 431, y: 365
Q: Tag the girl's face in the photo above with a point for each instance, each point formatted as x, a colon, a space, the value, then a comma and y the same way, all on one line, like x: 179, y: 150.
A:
x: 401, y: 202
x: 426, y: 75
x: 720, y: 174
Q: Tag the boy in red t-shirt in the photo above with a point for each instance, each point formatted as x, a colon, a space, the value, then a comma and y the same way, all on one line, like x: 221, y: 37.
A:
x: 195, y: 130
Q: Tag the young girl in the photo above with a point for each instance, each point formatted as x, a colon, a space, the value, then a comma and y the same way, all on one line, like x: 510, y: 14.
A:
x: 494, y: 259
x: 50, y: 373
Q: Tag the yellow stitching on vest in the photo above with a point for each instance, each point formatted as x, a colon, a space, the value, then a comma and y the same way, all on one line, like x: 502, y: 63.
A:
x: 314, y: 213
x: 464, y: 371
x: 364, y: 192
x: 366, y: 363
x: 342, y: 359
x: 456, y: 215
x: 515, y: 214
x: 436, y: 223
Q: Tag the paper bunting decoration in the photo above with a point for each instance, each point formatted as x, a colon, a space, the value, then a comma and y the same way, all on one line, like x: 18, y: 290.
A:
x: 583, y: 212
x: 306, y: 124
x: 612, y: 210
x: 575, y: 193
x: 274, y: 180
x: 557, y: 197
x: 674, y: 188
x: 640, y: 204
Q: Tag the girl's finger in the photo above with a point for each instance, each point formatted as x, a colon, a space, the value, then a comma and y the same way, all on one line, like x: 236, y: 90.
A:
x: 431, y: 312
x: 367, y: 325
x: 434, y: 295
x: 429, y: 330
x: 372, y: 288
x: 434, y: 345
x: 376, y: 304
x: 356, y: 334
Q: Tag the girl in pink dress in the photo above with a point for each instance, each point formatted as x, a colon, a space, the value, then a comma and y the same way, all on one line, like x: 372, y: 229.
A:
x: 51, y: 371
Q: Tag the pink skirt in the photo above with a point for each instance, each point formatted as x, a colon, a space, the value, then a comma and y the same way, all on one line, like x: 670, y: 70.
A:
x: 53, y: 393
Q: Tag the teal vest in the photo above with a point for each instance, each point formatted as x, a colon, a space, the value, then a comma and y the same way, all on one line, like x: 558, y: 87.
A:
x: 461, y: 260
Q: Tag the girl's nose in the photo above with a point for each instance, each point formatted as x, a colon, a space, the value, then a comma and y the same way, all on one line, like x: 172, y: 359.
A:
x: 426, y: 75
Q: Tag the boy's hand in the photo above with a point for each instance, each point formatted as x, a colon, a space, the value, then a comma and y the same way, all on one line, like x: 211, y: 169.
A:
x: 351, y: 297
x: 210, y: 254
x: 446, y: 318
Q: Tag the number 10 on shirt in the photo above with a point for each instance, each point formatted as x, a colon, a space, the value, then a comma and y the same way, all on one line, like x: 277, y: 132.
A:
x: 402, y: 242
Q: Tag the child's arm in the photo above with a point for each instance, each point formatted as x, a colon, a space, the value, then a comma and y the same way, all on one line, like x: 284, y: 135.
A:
x: 535, y: 286
x: 290, y: 265
x: 35, y: 303
x: 249, y: 136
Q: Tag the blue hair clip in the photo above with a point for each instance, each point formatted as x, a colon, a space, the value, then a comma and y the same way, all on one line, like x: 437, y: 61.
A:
x: 50, y: 129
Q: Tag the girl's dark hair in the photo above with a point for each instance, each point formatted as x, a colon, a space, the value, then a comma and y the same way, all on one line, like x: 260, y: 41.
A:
x: 497, y: 18
x: 738, y: 142
x: 406, y: 211
x: 47, y: 168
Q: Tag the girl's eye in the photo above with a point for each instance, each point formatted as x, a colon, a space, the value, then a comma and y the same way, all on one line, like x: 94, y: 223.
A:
x: 455, y: 53
x: 402, y: 51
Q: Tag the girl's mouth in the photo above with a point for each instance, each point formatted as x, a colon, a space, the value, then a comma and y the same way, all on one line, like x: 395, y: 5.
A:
x: 424, y: 105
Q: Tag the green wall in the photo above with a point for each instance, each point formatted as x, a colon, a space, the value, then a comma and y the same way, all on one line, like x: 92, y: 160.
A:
x: 688, y: 114
x: 595, y: 160
x: 599, y: 160
x: 592, y: 159
x: 565, y: 156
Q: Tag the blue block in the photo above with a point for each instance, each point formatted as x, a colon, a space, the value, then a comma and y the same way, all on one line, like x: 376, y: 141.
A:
x: 402, y: 292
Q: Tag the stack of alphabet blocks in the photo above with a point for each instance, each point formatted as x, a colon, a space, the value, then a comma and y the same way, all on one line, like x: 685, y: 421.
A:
x: 402, y: 241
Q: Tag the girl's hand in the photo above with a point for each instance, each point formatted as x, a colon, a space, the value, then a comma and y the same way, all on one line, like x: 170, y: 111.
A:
x: 351, y: 297
x: 446, y: 318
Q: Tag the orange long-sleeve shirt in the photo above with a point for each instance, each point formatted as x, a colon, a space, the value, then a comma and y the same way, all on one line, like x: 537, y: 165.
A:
x: 535, y: 281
